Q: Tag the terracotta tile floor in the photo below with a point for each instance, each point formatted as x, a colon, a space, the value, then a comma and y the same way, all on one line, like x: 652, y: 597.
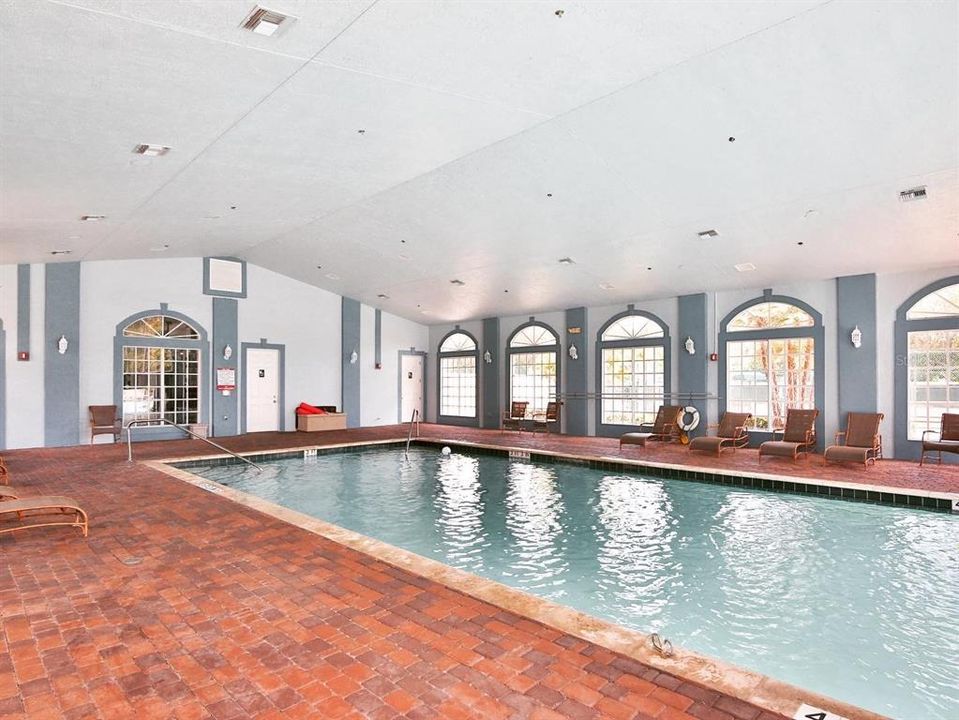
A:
x: 184, y: 605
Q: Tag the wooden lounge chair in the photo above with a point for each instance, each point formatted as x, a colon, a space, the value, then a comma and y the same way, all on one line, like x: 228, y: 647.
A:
x: 542, y: 422
x: 664, y: 428
x: 948, y: 440
x: 799, y: 435
x: 513, y: 420
x: 730, y: 433
x: 861, y: 441
x: 42, y: 511
x: 104, y: 421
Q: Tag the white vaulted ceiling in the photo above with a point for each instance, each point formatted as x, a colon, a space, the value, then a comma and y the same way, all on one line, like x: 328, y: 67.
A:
x: 498, y: 137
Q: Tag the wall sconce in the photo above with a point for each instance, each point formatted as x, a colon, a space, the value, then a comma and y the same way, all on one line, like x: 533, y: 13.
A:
x: 227, y: 352
x: 690, y: 345
x: 488, y: 357
x: 62, y: 345
x: 354, y: 357
x: 573, y: 352
x: 856, y: 337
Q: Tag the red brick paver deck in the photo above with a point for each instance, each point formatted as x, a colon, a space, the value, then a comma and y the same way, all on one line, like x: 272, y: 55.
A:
x: 182, y: 604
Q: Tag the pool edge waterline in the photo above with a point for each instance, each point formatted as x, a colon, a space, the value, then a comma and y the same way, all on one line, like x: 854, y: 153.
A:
x: 761, y: 690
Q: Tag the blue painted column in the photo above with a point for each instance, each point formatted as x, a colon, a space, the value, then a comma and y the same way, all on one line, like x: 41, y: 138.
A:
x: 692, y: 368
x: 61, y: 372
x: 858, y: 367
x: 492, y: 404
x: 23, y: 308
x: 350, y: 371
x: 576, y: 410
x: 225, y: 332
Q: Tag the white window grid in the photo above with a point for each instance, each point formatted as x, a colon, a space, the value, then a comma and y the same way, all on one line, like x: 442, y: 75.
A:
x: 632, y: 371
x: 933, y: 386
x: 765, y: 377
x: 458, y: 386
x: 532, y: 379
x: 161, y: 383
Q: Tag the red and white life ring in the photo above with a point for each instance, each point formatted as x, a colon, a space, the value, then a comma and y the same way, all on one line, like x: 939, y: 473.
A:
x: 688, y: 419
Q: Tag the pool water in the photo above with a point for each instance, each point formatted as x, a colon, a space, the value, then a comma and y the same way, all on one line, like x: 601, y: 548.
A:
x: 856, y: 601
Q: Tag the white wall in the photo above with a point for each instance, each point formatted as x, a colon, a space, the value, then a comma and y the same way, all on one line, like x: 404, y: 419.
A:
x: 379, y: 388
x: 307, y: 321
x: 303, y: 318
x: 24, y: 381
x: 111, y: 291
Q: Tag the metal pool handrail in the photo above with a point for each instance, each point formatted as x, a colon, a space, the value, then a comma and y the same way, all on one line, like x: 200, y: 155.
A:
x: 414, y: 419
x: 137, y: 423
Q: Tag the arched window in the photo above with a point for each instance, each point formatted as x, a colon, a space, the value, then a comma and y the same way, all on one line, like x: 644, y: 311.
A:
x: 533, y: 351
x: 632, y: 354
x: 772, y: 360
x: 927, y: 383
x: 160, y: 368
x: 458, y: 360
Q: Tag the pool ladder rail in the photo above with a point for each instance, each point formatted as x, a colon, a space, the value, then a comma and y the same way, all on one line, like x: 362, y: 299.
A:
x: 414, y: 422
x: 137, y: 423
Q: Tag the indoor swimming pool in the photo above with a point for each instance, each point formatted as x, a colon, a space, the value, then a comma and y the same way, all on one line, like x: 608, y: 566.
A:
x: 852, y: 600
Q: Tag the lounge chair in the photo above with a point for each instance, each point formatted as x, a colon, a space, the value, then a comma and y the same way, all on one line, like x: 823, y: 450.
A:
x: 730, y: 433
x: 42, y: 511
x: 861, y: 441
x: 104, y: 421
x: 9, y: 493
x: 799, y: 435
x: 542, y: 422
x: 513, y: 420
x: 664, y: 428
x: 948, y: 440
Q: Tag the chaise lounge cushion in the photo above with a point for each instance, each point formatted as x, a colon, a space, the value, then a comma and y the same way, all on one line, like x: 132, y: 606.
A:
x: 846, y: 453
x: 941, y: 445
x: 779, y: 448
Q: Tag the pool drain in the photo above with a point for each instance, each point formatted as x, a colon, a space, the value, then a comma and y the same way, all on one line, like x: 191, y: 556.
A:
x: 661, y: 645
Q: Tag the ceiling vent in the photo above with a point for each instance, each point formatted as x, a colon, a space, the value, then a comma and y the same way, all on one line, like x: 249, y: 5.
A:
x: 92, y: 218
x: 744, y: 267
x: 457, y: 282
x: 151, y: 150
x: 708, y: 234
x: 566, y: 261
x: 266, y: 22
x: 916, y: 193
x: 381, y: 296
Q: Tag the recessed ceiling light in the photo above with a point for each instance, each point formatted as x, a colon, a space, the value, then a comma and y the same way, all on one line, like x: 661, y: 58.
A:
x: 566, y: 261
x: 800, y: 243
x: 60, y: 252
x: 506, y: 291
x: 549, y: 194
x: 732, y: 139
x: 333, y: 276
x: 559, y: 13
x: 607, y: 286
x: 93, y: 218
x: 457, y: 282
x: 708, y: 233
x: 361, y: 132
x: 649, y: 268
x: 151, y: 150
x: 745, y: 267
x: 266, y: 22
x: 916, y: 193
x: 381, y: 296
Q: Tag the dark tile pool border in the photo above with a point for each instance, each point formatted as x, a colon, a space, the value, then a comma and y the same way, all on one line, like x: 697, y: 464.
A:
x: 792, y: 486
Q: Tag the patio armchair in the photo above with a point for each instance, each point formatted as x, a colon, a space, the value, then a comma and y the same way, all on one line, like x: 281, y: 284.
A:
x: 731, y: 433
x: 799, y: 435
x: 665, y: 428
x: 859, y: 442
x: 947, y: 440
x: 513, y: 419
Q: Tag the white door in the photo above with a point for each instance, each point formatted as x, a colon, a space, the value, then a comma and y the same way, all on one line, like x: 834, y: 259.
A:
x: 262, y: 390
x: 412, y: 372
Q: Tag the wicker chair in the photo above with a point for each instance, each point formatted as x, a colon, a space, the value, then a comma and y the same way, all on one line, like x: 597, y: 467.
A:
x: 513, y: 420
x: 104, y: 421
x: 731, y: 433
x: 861, y: 441
x: 948, y: 440
x: 664, y: 428
x: 799, y: 435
